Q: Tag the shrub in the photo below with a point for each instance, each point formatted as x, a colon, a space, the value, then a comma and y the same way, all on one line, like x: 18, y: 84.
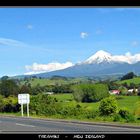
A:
x: 117, y: 118
x: 71, y: 111
x: 10, y: 104
x: 90, y: 92
x: 43, y: 104
x: 123, y: 90
x: 125, y: 114
x: 108, y: 106
x: 130, y: 118
x: 91, y: 114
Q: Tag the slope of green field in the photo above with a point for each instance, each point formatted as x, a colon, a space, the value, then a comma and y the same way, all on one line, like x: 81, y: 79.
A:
x: 63, y: 97
x: 135, y: 80
x: 43, y: 82
x: 128, y: 102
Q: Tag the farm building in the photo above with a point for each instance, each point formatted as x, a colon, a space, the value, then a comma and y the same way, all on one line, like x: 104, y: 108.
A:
x: 114, y: 92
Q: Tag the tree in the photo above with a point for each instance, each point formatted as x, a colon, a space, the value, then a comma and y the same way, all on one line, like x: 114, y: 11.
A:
x: 108, y: 106
x: 11, y: 104
x: 123, y: 90
x: 125, y: 85
x: 1, y: 103
x: 112, y: 85
x: 8, y: 87
x: 132, y: 86
x: 62, y: 88
x: 90, y: 92
x: 129, y: 75
x: 25, y: 89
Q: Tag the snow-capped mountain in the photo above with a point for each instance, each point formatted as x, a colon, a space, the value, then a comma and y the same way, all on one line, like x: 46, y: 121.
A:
x: 105, y: 57
x: 99, y: 57
x: 101, y: 63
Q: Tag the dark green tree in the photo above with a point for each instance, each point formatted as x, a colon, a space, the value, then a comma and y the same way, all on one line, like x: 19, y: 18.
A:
x: 8, y: 87
x: 129, y: 75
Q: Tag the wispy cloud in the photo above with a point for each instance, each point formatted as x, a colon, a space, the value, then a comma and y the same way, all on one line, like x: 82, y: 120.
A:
x: 29, y: 27
x: 38, y: 68
x: 83, y: 35
x: 11, y: 42
x: 135, y: 43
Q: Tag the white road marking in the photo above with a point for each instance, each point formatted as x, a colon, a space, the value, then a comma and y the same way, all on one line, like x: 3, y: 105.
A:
x: 25, y: 125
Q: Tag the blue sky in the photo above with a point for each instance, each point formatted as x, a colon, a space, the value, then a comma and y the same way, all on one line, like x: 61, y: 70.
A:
x: 38, y: 39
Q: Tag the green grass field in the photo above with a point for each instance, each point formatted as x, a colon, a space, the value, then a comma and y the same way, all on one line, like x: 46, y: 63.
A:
x: 135, y: 80
x: 128, y: 102
x: 63, y: 97
x: 43, y: 82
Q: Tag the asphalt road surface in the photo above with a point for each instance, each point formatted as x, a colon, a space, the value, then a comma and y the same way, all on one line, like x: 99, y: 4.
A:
x: 30, y: 125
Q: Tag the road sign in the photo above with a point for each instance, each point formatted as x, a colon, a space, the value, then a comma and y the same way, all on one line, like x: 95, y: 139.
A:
x: 23, y: 98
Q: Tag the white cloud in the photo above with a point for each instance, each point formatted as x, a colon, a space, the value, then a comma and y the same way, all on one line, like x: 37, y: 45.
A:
x: 128, y: 57
x: 83, y: 35
x: 10, y: 42
x: 29, y: 26
x: 39, y: 68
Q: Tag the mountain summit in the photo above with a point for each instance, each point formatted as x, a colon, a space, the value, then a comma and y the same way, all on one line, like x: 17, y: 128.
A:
x: 100, y: 64
x: 99, y: 57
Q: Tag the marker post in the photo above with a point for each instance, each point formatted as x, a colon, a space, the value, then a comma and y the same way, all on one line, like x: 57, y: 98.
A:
x: 27, y: 110
x: 22, y: 110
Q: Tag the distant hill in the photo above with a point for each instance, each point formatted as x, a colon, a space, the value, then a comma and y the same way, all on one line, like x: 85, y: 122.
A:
x: 135, y: 80
x: 47, y: 81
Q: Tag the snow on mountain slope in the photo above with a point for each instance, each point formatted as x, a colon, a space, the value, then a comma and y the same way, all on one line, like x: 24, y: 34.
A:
x: 105, y: 57
x: 99, y: 57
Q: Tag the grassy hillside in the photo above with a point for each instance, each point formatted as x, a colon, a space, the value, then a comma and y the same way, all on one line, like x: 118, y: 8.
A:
x: 123, y: 101
x: 129, y: 102
x: 135, y: 80
x: 44, y: 82
x: 63, y: 97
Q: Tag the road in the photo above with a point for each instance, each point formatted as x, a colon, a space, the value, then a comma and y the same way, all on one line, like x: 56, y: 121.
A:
x: 30, y: 125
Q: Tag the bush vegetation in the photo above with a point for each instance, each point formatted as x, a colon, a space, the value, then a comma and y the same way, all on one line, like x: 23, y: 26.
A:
x: 90, y: 92
x: 108, y: 106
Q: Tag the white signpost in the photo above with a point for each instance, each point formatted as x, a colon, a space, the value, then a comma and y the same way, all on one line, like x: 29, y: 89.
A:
x: 24, y: 99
